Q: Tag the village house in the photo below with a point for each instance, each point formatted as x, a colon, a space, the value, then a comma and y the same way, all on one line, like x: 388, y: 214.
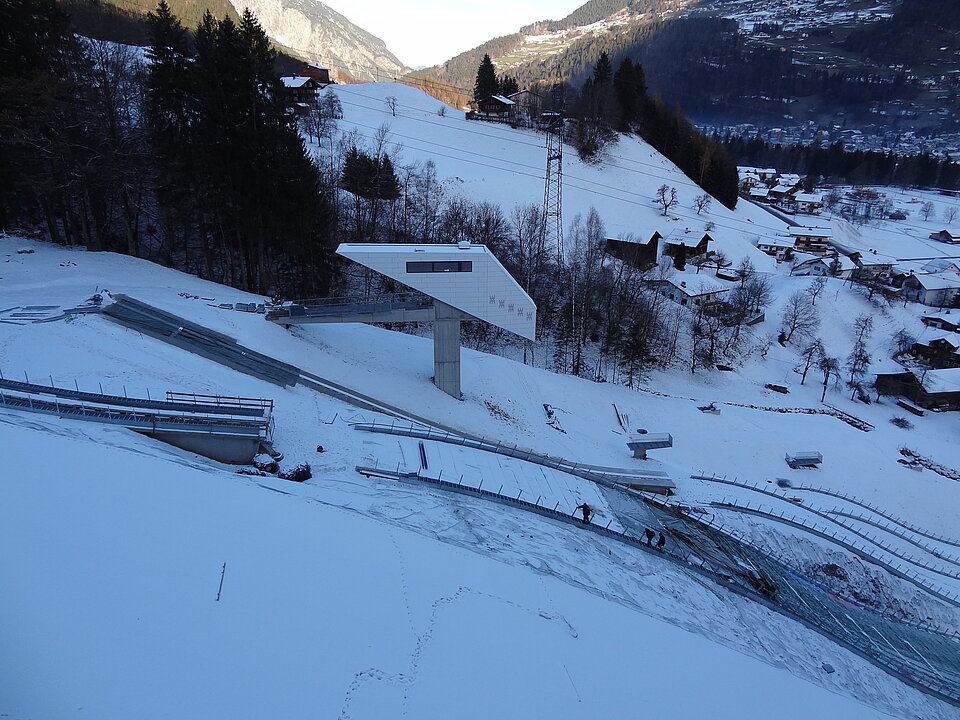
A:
x: 807, y: 265
x: 936, y: 289
x: 759, y: 194
x: 299, y: 91
x: 782, y: 194
x: 693, y: 291
x: 671, y: 246
x: 497, y: 106
x: 641, y: 255
x: 527, y: 103
x: 318, y: 73
x: 942, y: 321
x: 931, y: 389
x: 811, y: 239
x: 778, y: 247
x: 940, y: 349
x: 808, y: 203
x: 947, y: 236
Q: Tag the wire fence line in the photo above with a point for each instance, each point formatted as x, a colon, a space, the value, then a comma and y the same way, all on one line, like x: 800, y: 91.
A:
x: 826, y: 515
x: 919, y: 656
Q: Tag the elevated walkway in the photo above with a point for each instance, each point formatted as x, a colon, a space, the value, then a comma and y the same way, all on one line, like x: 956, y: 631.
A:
x: 401, y: 307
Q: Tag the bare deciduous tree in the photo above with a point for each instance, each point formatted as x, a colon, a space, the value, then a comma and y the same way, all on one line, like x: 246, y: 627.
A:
x: 815, y: 289
x: 702, y: 202
x: 392, y: 104
x: 928, y: 210
x: 799, y: 316
x: 666, y: 197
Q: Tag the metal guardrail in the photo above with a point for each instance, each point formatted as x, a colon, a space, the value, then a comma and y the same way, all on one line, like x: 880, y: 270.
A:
x: 141, y: 420
x: 211, y: 404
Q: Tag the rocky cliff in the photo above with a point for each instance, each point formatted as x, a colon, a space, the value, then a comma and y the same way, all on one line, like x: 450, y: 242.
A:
x: 322, y: 35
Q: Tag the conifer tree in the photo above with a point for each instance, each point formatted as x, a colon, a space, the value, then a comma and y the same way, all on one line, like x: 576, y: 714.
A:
x: 486, y: 84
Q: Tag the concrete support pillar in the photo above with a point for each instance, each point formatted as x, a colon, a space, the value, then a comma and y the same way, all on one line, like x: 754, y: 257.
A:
x: 446, y: 348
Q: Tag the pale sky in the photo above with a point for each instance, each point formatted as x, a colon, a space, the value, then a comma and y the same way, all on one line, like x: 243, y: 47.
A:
x: 427, y: 32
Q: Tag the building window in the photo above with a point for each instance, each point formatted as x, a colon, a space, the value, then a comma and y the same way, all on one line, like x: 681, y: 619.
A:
x: 440, y: 266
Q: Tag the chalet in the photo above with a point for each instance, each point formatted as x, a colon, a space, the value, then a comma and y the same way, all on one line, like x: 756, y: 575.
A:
x: 782, y: 193
x: 942, y: 321
x: 938, y: 350
x: 791, y: 179
x: 759, y: 194
x: 930, y: 389
x: 749, y: 178
x: 811, y: 265
x: 527, y: 103
x: 947, y: 236
x: 870, y: 266
x: 642, y: 256
x: 693, y: 291
x: 936, y: 289
x: 811, y: 239
x: 778, y: 247
x: 671, y: 246
x: 497, y: 106
x: 319, y: 74
x: 808, y: 203
x: 299, y: 90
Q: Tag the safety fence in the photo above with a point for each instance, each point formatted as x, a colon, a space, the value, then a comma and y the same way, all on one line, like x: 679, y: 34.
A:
x: 175, y: 402
x: 867, y: 553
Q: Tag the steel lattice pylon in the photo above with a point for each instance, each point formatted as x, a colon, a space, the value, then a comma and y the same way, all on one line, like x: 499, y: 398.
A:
x: 552, y: 227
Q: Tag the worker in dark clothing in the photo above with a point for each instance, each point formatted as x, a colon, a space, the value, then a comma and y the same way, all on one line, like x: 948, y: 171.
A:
x: 320, y: 448
x: 661, y: 541
x: 586, y: 510
x: 648, y: 533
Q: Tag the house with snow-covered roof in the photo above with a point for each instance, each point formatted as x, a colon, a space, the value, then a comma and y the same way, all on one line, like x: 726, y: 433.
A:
x: 808, y: 203
x: 779, y: 247
x: 938, y: 349
x: 693, y: 291
x: 949, y: 235
x: 942, y: 321
x: 936, y: 289
x: 931, y: 389
x: 497, y: 106
x: 814, y: 240
x: 299, y: 89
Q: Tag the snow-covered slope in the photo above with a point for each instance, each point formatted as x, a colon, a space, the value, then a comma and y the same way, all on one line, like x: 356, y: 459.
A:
x: 353, y: 597
x: 487, y: 161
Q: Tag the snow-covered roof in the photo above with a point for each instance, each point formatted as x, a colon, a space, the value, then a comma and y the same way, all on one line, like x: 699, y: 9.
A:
x: 789, y: 179
x: 295, y: 81
x: 944, y: 317
x: 939, y: 265
x: 693, y: 285
x: 759, y: 192
x: 938, y: 281
x: 940, y: 381
x: 808, y: 197
x: 501, y: 98
x: 783, y: 242
x: 783, y: 189
x: 811, y: 232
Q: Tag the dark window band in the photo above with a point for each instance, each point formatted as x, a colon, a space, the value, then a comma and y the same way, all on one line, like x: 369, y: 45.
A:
x: 440, y: 266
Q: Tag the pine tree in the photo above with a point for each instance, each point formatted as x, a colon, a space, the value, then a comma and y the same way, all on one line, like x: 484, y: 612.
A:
x: 486, y: 84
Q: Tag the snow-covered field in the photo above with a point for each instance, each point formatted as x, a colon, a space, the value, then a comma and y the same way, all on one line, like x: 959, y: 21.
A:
x: 354, y: 597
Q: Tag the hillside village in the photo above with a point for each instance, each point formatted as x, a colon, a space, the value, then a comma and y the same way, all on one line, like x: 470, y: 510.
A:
x: 692, y: 453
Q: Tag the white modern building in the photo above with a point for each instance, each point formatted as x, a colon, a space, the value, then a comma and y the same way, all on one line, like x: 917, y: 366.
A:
x: 460, y: 282
x: 465, y: 281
